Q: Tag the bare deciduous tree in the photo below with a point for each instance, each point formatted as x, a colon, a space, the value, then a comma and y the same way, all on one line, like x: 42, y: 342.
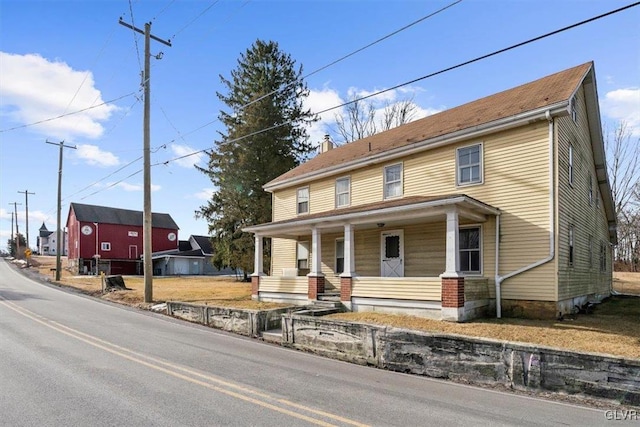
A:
x: 362, y: 119
x: 623, y: 154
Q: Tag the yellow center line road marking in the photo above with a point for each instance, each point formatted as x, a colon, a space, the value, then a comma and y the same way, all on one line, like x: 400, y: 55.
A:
x: 223, y: 386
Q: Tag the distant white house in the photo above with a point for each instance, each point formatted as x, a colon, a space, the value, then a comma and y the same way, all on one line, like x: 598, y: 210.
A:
x: 46, y: 242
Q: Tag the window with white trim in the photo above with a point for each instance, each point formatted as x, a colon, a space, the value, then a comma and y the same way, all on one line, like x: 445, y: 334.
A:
x: 469, y: 161
x: 469, y: 241
x: 343, y: 192
x: 302, y: 255
x: 603, y: 257
x: 105, y: 246
x: 590, y: 189
x: 570, y: 164
x: 339, y: 256
x: 393, y: 181
x: 303, y: 200
x: 571, y: 248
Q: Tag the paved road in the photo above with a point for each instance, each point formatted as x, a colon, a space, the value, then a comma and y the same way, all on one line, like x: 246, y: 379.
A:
x: 69, y: 360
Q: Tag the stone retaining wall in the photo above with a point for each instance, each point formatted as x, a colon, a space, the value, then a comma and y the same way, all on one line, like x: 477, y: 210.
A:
x: 244, y: 322
x: 468, y: 360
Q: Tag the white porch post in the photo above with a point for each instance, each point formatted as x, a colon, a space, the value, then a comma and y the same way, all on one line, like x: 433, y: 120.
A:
x: 349, y: 252
x: 316, y: 252
x: 453, y: 245
x: 349, y: 270
x: 258, y: 268
x: 452, y: 297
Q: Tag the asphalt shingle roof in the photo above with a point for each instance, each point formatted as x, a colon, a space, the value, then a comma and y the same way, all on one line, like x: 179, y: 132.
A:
x: 107, y: 215
x: 535, y: 95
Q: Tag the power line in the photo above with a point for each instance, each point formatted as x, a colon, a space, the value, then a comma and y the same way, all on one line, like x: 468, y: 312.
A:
x: 334, y: 62
x: 67, y: 114
x: 462, y: 64
x: 163, y: 10
x: 195, y: 19
x: 135, y: 36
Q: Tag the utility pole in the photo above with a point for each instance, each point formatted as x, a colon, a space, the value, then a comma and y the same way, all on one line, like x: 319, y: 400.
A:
x: 15, y: 208
x: 11, y: 226
x: 147, y: 222
x: 26, y: 203
x: 58, y: 243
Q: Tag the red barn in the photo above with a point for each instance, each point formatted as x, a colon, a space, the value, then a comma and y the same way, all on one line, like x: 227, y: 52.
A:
x: 110, y: 239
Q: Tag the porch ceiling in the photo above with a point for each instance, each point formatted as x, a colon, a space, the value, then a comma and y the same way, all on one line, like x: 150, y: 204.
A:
x: 403, y: 211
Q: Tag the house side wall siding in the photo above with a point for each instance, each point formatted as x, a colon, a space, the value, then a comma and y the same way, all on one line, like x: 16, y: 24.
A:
x: 516, y: 180
x: 584, y: 276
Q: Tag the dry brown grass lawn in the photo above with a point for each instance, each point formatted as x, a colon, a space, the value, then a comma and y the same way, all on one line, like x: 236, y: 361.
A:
x: 614, y: 327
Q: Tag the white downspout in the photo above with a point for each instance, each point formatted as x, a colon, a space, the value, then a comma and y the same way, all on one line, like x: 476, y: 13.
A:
x: 552, y: 226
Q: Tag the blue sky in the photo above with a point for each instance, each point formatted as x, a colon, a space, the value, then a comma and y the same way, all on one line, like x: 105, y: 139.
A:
x: 59, y: 57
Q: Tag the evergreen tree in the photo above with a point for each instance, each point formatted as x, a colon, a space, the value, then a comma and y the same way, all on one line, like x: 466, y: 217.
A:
x: 265, y: 137
x: 11, y: 244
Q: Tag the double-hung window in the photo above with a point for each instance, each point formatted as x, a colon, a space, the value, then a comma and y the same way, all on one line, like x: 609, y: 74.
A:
x: 393, y: 181
x: 570, y: 164
x: 339, y: 256
x: 302, y: 256
x: 469, y: 241
x: 105, y: 246
x: 571, y: 248
x: 303, y: 200
x: 343, y: 192
x: 469, y: 161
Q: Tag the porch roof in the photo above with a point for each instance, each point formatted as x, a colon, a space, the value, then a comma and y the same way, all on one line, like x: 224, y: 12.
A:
x: 389, y: 212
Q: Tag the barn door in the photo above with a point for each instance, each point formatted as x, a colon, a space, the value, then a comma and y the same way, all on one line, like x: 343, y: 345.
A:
x: 392, y: 254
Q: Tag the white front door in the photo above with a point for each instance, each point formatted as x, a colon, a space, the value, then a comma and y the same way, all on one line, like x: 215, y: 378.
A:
x: 392, y: 254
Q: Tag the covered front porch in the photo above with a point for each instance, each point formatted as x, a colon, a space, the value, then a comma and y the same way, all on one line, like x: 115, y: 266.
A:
x: 427, y: 256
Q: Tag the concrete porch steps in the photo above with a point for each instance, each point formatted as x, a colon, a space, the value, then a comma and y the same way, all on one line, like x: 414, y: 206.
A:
x: 329, y: 296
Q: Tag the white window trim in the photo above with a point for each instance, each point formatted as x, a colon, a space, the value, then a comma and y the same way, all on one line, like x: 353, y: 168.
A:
x: 348, y: 178
x: 384, y: 179
x: 308, y: 247
x: 481, y: 164
x: 105, y: 246
x: 335, y: 258
x: 481, y: 246
x: 571, y: 246
x: 570, y: 169
x: 298, y: 201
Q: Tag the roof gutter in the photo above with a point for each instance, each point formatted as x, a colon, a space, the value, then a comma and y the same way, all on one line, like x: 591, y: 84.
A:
x: 552, y: 225
x: 559, y: 108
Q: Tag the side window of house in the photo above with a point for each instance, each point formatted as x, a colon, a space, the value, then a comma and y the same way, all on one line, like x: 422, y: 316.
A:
x: 303, y: 200
x: 302, y: 255
x: 590, y: 189
x: 469, y: 161
x: 339, y: 256
x: 470, y: 249
x: 603, y: 257
x: 343, y: 192
x: 106, y: 246
x: 571, y: 249
x: 393, y: 181
x: 570, y: 164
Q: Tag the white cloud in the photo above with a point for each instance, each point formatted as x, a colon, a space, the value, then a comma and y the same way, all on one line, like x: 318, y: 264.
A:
x: 623, y: 105
x: 33, y: 88
x: 94, y: 156
x: 205, y: 194
x: 184, y: 150
x: 133, y: 187
x: 319, y: 100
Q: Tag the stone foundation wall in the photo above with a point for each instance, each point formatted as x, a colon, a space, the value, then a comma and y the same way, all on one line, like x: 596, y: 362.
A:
x: 467, y: 360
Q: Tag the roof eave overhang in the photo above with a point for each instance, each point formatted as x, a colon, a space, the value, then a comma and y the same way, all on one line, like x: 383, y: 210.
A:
x: 466, y: 205
x: 557, y: 109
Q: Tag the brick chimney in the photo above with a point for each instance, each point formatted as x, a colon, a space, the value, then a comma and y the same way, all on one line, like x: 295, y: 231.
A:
x: 326, y: 144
